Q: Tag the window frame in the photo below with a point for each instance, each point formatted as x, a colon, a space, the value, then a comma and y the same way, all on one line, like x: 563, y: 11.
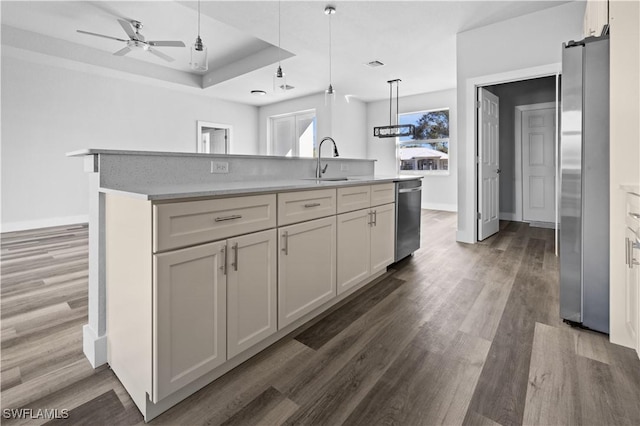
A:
x: 295, y: 116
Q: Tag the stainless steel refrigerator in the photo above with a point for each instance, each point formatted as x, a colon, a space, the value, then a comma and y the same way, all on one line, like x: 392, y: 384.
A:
x: 584, y: 194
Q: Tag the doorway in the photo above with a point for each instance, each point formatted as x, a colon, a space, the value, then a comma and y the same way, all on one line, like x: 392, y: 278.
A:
x: 527, y: 160
x: 213, y: 138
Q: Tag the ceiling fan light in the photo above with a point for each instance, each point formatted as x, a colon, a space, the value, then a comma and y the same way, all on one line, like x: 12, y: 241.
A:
x: 279, y: 81
x: 199, y: 56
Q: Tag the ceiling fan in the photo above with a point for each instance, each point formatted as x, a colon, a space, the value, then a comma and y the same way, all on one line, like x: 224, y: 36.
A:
x: 137, y: 41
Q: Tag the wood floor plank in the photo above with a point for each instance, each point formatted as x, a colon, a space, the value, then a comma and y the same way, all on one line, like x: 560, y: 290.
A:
x: 552, y: 393
x: 268, y: 408
x: 324, y: 330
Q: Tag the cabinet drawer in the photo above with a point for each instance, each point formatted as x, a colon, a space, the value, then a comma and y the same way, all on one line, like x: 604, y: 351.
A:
x: 194, y: 222
x: 353, y: 198
x: 305, y: 205
x: 633, y: 212
x: 383, y: 194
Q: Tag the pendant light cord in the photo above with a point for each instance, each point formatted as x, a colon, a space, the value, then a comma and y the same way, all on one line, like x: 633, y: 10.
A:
x: 390, y: 101
x: 198, y: 18
x: 397, y: 102
x: 279, y: 46
x: 330, y: 48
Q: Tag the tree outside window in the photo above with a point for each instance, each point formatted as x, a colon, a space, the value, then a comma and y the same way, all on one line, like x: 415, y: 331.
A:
x: 428, y: 148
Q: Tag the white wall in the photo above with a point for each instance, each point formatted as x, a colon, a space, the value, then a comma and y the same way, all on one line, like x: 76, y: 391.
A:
x: 344, y: 121
x: 438, y: 192
x: 48, y: 111
x: 531, y: 42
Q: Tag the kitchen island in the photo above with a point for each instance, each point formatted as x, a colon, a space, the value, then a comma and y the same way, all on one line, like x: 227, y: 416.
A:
x: 206, y: 260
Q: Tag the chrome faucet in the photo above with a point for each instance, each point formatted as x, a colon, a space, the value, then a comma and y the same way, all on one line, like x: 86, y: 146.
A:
x: 319, y: 169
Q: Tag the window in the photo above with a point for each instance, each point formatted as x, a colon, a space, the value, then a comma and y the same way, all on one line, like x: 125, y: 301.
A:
x: 428, y: 149
x: 293, y: 135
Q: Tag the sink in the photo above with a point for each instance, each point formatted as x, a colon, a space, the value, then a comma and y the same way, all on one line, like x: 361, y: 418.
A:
x: 328, y: 179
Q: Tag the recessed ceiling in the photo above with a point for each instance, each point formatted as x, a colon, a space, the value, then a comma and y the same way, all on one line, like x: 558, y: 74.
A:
x: 415, y: 40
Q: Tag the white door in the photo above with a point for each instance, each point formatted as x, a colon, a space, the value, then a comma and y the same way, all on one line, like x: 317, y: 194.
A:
x: 306, y: 268
x: 189, y: 316
x: 218, y: 141
x: 251, y: 290
x: 354, y: 230
x: 538, y: 165
x: 383, y: 237
x: 488, y: 164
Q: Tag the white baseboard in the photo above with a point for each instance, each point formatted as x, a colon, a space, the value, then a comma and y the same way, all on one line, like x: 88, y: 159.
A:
x: 507, y: 216
x: 94, y: 347
x: 442, y: 207
x: 43, y: 223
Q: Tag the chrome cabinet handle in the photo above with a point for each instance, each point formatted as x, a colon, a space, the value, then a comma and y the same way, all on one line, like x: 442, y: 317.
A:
x: 285, y: 244
x: 636, y: 215
x: 235, y: 257
x: 375, y: 218
x: 626, y: 251
x: 370, y: 214
x: 232, y: 217
x: 312, y: 205
x: 224, y: 260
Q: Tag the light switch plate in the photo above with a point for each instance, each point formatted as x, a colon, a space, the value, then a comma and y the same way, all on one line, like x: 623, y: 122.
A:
x: 219, y: 167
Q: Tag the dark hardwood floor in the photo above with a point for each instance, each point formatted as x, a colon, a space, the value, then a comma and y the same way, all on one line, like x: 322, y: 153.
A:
x: 456, y: 334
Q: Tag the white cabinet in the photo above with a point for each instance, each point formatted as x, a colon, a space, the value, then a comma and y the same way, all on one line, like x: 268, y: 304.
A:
x: 189, y: 315
x: 596, y: 16
x: 382, y: 237
x: 306, y: 268
x: 632, y: 287
x: 354, y: 240
x: 365, y: 244
x: 251, y: 290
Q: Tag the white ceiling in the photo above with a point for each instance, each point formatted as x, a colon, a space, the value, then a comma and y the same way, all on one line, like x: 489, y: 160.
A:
x: 414, y: 39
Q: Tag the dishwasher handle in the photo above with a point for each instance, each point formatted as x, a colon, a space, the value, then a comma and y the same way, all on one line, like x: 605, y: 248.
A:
x: 402, y: 191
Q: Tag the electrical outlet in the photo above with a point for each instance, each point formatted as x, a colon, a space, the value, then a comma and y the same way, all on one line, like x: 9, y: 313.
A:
x: 344, y: 167
x: 219, y: 167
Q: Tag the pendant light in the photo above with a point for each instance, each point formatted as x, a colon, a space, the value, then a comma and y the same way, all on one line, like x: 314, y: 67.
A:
x: 397, y: 129
x: 199, y: 51
x: 279, y: 79
x: 330, y: 93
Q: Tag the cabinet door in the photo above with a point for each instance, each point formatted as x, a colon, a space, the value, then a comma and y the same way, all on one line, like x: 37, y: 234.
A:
x: 189, y: 316
x: 383, y: 237
x: 354, y: 231
x: 306, y: 268
x: 251, y: 290
x: 632, y: 308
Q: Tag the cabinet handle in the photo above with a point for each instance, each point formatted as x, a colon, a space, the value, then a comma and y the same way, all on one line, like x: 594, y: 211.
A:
x: 375, y: 218
x: 370, y: 223
x: 636, y: 215
x: 235, y: 257
x: 285, y: 249
x: 232, y: 217
x: 224, y: 260
x: 626, y: 251
x: 312, y: 205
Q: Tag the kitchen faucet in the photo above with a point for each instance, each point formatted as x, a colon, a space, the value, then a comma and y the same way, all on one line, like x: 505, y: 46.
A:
x: 319, y: 169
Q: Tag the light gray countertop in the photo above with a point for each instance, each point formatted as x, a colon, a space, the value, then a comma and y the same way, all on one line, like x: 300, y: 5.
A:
x: 192, y: 190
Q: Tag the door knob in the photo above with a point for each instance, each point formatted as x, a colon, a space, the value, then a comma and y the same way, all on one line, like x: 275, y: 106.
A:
x: 498, y: 171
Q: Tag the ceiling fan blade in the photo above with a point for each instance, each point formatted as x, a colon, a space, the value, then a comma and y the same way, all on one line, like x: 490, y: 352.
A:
x: 160, y: 55
x: 100, y: 35
x: 122, y: 51
x: 126, y: 26
x: 174, y: 43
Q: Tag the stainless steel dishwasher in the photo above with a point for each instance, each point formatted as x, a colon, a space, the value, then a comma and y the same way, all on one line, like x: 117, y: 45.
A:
x: 408, y: 203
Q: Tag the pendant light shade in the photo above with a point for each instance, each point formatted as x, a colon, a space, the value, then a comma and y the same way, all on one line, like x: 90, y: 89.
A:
x: 199, y: 51
x: 279, y: 78
x: 330, y: 93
